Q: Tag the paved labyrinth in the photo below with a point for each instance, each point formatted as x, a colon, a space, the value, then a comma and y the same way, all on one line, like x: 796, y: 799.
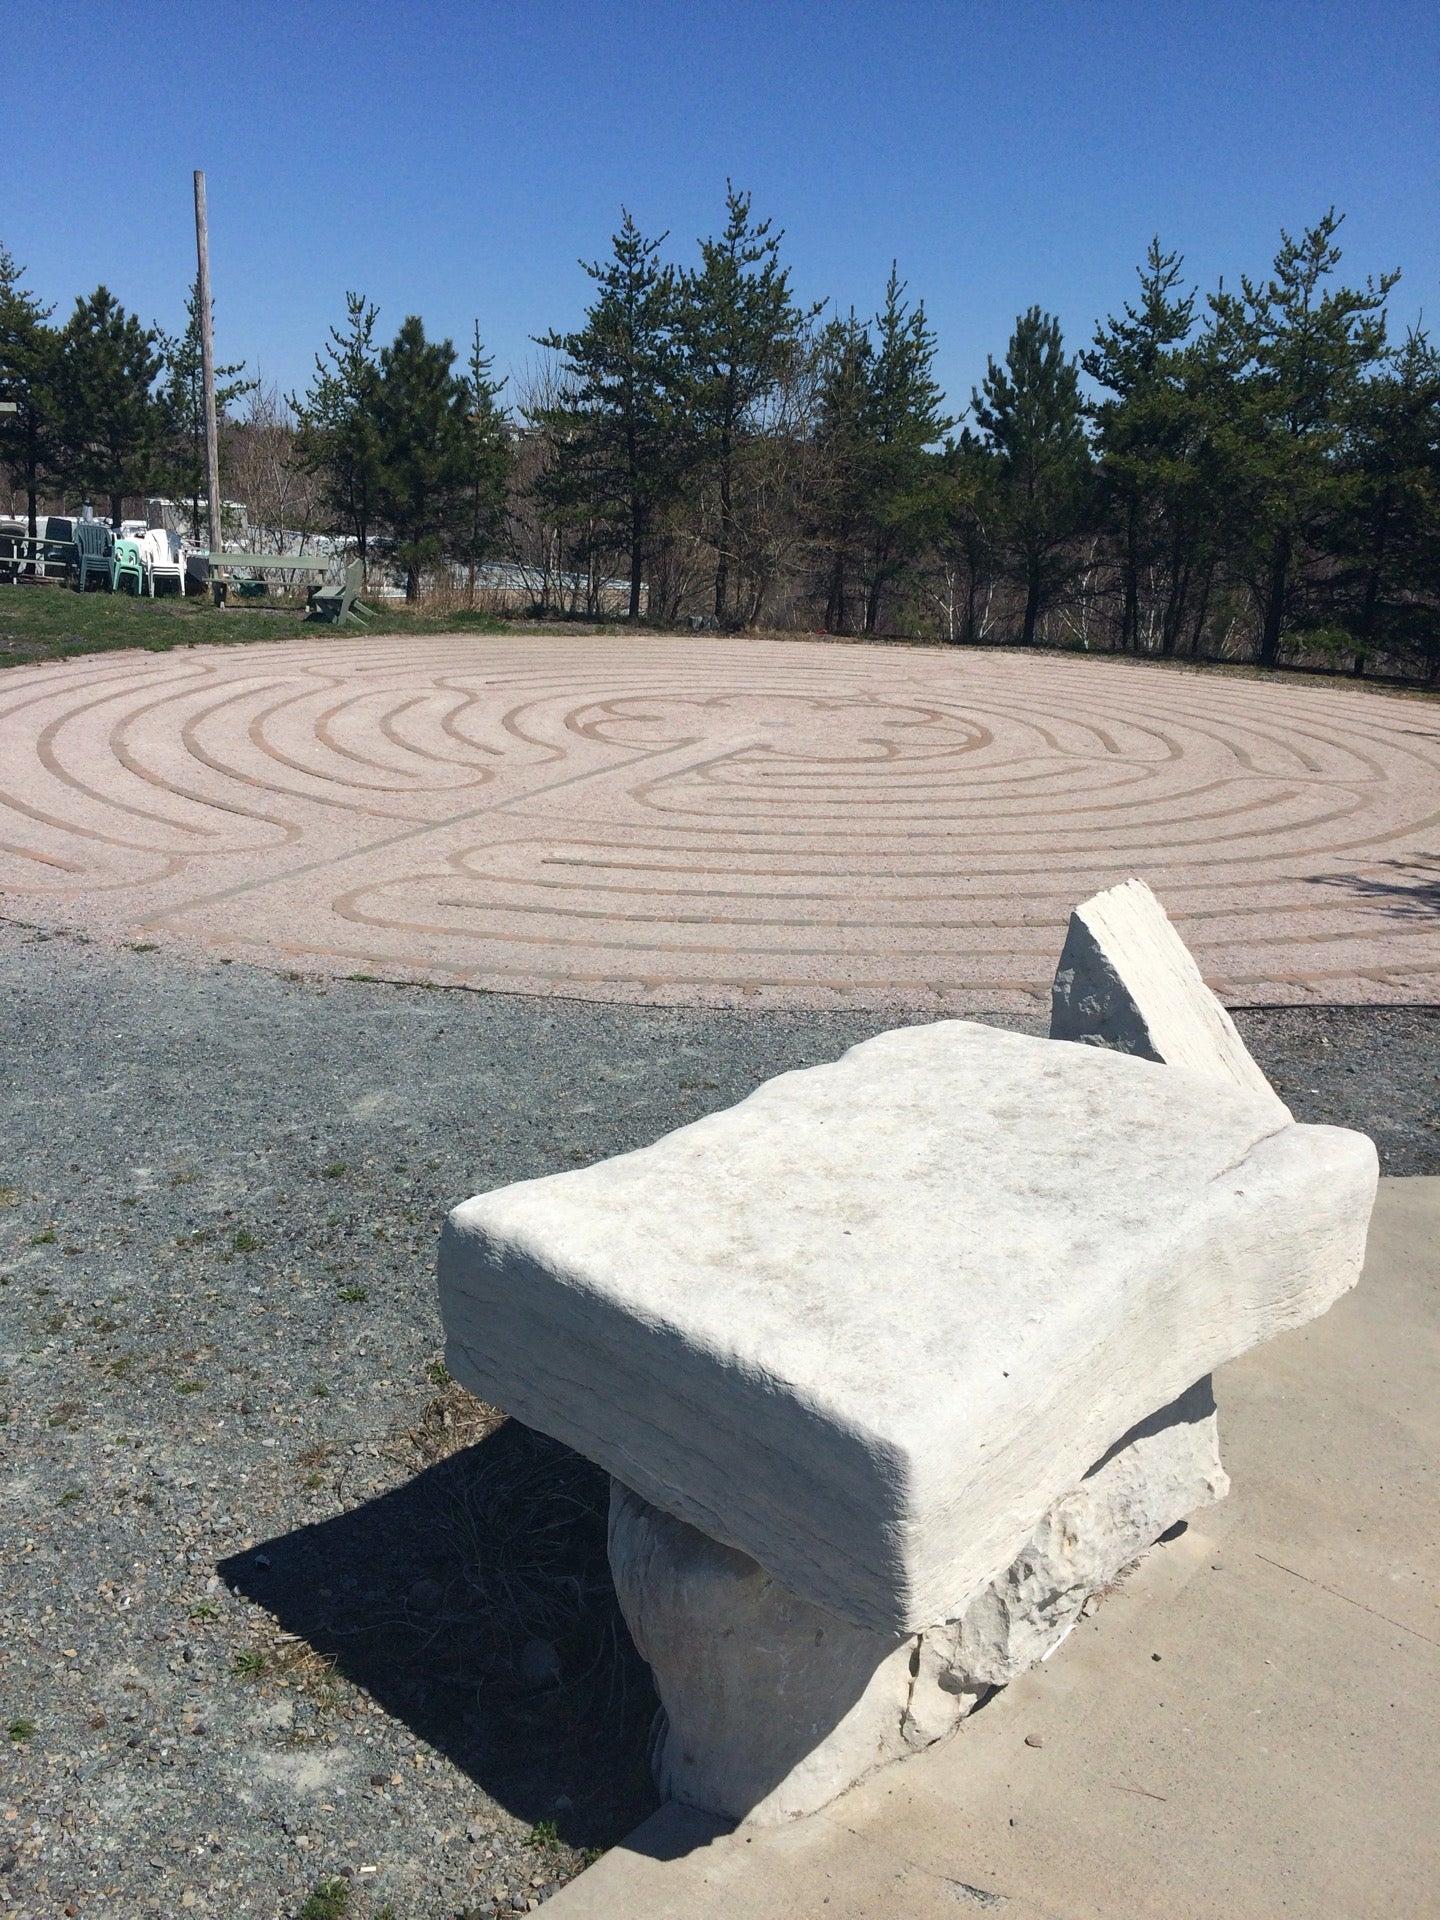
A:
x: 738, y: 821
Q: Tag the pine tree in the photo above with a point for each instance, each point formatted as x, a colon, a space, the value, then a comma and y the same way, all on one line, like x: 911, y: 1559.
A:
x: 970, y: 513
x: 487, y: 462
x: 883, y: 492
x: 29, y: 375
x: 1293, y: 351
x: 421, y: 434
x: 1387, y: 536
x: 1140, y: 427
x: 336, y: 438
x: 846, y: 357
x: 901, y: 424
x: 619, y: 452
x: 1031, y: 414
x: 111, y: 425
x: 182, y: 396
x: 739, y: 330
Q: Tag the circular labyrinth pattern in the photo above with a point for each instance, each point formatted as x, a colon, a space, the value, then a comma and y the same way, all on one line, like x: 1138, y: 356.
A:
x: 741, y: 822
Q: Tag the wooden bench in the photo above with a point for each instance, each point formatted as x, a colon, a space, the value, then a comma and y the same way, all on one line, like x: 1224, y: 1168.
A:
x: 216, y: 571
x: 42, y: 557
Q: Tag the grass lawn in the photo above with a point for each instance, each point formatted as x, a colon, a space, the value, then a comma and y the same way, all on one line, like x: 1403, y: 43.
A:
x: 55, y: 623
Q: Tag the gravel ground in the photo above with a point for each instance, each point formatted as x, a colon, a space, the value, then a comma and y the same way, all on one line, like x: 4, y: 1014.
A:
x: 280, y: 1608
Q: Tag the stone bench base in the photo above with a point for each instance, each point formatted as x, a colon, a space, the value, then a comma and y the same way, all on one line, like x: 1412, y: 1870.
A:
x: 772, y: 1706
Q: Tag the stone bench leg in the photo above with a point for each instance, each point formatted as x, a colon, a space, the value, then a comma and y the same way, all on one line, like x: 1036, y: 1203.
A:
x: 771, y: 1706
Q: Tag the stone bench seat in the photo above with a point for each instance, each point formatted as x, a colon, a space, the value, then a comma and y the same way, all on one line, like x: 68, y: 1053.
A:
x: 869, y: 1325
x: 900, y: 1363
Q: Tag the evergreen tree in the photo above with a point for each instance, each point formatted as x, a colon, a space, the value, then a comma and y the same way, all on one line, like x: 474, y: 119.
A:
x: 1140, y: 427
x: 336, y: 438
x: 970, y: 512
x: 1294, y: 351
x: 111, y: 424
x: 182, y: 395
x: 29, y: 375
x: 1387, y: 536
x: 1031, y: 414
x: 616, y: 426
x: 487, y: 462
x: 423, y: 445
x: 901, y: 425
x: 846, y: 358
x: 740, y: 331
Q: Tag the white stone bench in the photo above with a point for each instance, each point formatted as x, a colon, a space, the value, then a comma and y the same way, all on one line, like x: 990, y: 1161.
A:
x: 897, y: 1361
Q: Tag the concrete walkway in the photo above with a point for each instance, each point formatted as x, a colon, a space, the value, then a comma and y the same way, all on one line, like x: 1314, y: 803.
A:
x: 1246, y: 1728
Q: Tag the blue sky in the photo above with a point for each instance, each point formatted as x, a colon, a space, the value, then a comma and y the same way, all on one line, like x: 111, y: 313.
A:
x: 456, y: 159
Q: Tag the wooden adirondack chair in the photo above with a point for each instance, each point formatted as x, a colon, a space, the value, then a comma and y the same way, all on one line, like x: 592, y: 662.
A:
x: 95, y: 545
x: 127, y: 562
x: 340, y: 600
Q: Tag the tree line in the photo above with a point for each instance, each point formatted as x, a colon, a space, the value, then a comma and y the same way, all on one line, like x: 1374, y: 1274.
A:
x: 393, y: 438
x: 1254, y: 474
x: 1250, y: 473
x: 104, y: 406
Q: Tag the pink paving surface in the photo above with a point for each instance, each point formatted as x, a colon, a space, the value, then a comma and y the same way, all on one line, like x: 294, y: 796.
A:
x: 722, y: 821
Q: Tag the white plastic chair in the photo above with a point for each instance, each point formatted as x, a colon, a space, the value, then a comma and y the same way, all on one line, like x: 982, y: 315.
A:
x: 166, y: 559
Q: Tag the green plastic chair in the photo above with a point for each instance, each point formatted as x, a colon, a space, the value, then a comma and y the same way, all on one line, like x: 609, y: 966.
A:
x: 95, y: 550
x: 128, y: 563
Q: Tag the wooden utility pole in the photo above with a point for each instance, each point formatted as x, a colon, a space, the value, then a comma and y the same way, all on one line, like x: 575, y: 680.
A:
x: 207, y: 371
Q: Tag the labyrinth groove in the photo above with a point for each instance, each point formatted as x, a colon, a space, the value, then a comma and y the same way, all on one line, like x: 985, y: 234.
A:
x: 739, y: 822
